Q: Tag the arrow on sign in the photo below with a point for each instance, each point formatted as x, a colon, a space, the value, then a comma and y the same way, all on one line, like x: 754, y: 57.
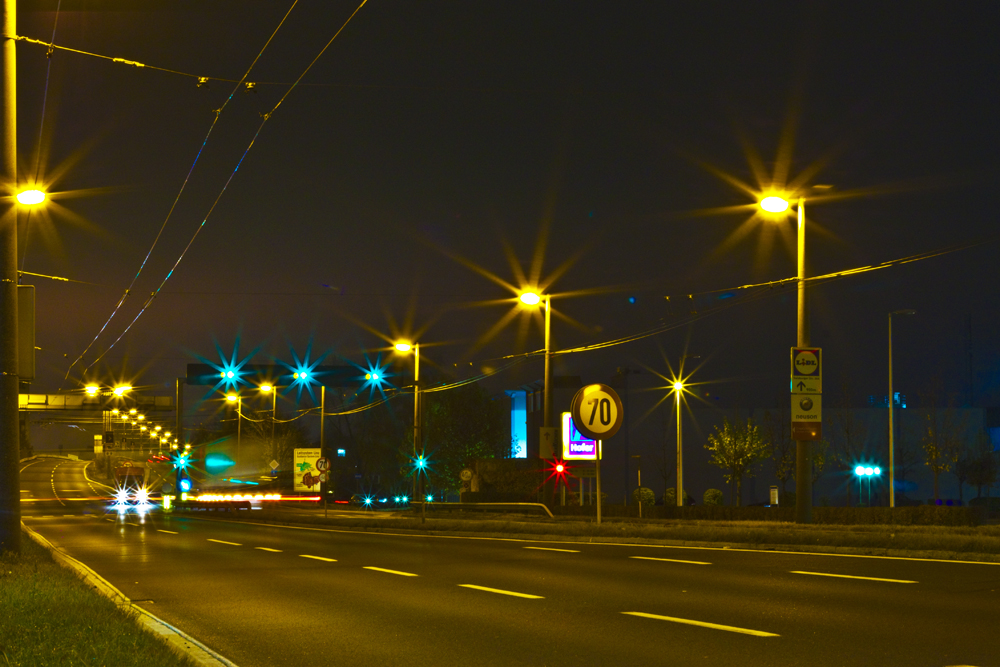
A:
x: 801, y: 386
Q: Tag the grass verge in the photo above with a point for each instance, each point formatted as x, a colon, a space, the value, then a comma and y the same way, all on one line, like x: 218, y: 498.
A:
x: 980, y: 543
x: 49, y: 616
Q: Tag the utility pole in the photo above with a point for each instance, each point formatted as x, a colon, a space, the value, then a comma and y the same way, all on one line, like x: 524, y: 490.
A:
x: 10, y: 447
x: 803, y: 454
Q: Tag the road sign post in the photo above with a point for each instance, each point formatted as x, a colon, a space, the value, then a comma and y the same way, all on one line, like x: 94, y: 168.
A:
x: 807, y: 386
x: 597, y: 414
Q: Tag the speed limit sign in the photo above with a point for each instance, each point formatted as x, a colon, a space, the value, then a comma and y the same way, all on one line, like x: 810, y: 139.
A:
x: 597, y: 411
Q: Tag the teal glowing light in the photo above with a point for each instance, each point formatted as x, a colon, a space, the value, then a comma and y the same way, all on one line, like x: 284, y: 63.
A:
x: 184, y: 485
x: 877, y: 470
x: 218, y: 462
x: 430, y: 498
x: 860, y: 470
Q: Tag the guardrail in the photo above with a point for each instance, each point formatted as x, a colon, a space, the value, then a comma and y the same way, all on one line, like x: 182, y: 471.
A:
x: 483, y: 506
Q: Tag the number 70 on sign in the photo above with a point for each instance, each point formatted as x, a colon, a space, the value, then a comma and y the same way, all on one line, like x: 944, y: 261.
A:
x: 597, y: 411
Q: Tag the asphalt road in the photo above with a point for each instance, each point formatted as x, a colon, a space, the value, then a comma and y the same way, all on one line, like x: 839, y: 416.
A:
x: 266, y: 595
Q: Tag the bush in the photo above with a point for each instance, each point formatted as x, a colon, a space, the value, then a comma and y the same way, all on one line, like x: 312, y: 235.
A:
x: 712, y: 497
x: 670, y: 498
x: 644, y: 496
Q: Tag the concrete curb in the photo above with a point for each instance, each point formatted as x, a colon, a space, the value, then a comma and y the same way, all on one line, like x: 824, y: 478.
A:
x: 177, y: 640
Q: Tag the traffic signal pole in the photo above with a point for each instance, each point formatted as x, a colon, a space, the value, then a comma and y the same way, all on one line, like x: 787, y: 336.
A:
x: 10, y: 501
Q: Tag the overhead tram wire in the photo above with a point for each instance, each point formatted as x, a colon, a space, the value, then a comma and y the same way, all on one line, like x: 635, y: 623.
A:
x: 215, y: 120
x: 41, y: 127
x: 266, y: 117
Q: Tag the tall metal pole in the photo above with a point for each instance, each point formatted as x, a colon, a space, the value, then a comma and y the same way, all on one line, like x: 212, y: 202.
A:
x: 10, y: 503
x: 803, y: 462
x: 892, y: 430
x: 680, y: 452
x: 598, y: 475
x: 322, y: 443
x: 239, y: 428
x: 547, y: 395
x: 416, y: 413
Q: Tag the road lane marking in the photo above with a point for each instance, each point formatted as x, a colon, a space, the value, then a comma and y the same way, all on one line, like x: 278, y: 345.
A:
x: 382, y: 569
x: 848, y: 576
x: 702, y: 624
x: 235, y: 544
x: 25, y: 491
x: 172, y: 532
x: 571, y: 551
x: 503, y: 592
x: 328, y: 560
x: 727, y: 549
x: 277, y: 551
x: 671, y: 560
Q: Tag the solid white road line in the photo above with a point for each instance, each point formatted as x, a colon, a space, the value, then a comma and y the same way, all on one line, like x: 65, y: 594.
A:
x: 382, y: 569
x: 327, y: 560
x: 570, y: 551
x: 277, y: 551
x: 172, y: 532
x: 848, y: 576
x: 671, y: 560
x: 702, y: 624
x: 235, y: 544
x: 502, y: 592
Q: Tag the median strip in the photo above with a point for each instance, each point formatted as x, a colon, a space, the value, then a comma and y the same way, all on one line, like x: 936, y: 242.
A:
x: 325, y: 560
x: 702, y: 624
x: 569, y: 551
x: 503, y: 592
x: 235, y: 544
x: 382, y: 569
x: 277, y: 551
x: 848, y: 576
x: 671, y: 560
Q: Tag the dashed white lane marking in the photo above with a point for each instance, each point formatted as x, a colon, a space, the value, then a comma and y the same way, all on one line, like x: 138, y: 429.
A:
x: 70, y: 515
x: 172, y: 532
x: 327, y: 560
x: 503, y: 592
x: 702, y: 624
x: 671, y: 560
x: 569, y: 551
x: 235, y: 544
x: 277, y: 551
x: 25, y: 491
x: 848, y: 576
x: 382, y: 569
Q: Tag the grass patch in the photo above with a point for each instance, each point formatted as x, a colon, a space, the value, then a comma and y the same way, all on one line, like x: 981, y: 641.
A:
x: 956, y: 542
x: 49, y: 616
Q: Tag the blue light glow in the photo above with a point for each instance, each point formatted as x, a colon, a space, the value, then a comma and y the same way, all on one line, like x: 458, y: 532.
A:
x: 218, y: 462
x: 184, y: 484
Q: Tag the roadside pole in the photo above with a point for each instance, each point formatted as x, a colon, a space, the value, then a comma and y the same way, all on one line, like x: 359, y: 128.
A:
x: 598, y: 462
x: 10, y: 447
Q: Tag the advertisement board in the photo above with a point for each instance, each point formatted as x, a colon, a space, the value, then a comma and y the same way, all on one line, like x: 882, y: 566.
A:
x: 574, y: 445
x: 304, y: 470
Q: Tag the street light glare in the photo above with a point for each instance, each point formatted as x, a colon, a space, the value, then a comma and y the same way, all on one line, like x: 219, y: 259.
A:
x: 266, y: 388
x: 403, y: 347
x: 530, y: 298
x: 92, y: 389
x: 774, y: 204
x: 877, y: 470
x: 30, y: 197
x: 860, y: 470
x: 678, y: 386
x: 122, y: 389
x: 232, y: 398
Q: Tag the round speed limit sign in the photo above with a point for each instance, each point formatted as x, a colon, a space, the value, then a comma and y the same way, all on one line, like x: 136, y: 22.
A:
x: 597, y: 411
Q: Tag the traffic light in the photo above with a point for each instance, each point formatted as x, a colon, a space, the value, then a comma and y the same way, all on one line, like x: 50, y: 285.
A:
x: 183, y: 482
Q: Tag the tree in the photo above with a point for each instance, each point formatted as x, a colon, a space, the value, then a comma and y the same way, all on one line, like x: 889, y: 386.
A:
x: 985, y: 465
x: 941, y: 435
x: 670, y: 497
x: 962, y: 462
x: 778, y: 428
x: 460, y: 426
x: 712, y: 497
x: 735, y: 448
x: 851, y: 435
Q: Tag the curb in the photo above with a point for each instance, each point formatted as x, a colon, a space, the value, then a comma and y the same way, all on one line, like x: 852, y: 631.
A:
x: 176, y: 639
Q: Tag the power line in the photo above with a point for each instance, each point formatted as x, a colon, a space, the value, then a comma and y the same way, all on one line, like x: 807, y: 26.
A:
x: 215, y: 120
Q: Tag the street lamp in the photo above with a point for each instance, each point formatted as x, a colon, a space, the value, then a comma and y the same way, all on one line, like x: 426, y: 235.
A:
x: 803, y: 475
x: 405, y: 347
x: 867, y: 472
x: 92, y: 389
x: 238, y: 400
x: 531, y: 298
x: 892, y: 422
x: 678, y: 387
x: 121, y: 390
x: 30, y: 197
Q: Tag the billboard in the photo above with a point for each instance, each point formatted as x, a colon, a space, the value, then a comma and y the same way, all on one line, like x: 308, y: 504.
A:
x: 575, y: 446
x: 304, y: 471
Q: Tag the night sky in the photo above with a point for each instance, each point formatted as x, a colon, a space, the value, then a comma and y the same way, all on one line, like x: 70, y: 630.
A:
x: 434, y: 129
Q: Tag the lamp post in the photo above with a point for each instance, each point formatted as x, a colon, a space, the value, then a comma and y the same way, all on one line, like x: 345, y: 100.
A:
x: 678, y: 391
x: 404, y: 348
x: 533, y: 299
x: 267, y: 388
x: 892, y: 420
x: 803, y: 462
x: 238, y: 400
